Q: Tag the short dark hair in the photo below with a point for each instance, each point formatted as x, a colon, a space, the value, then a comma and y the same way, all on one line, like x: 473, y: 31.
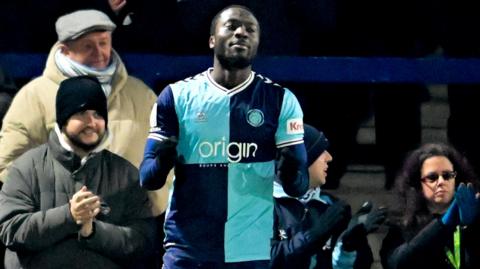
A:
x: 213, y: 24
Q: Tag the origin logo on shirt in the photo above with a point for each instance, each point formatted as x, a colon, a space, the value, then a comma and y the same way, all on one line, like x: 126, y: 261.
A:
x: 234, y: 151
x: 295, y: 126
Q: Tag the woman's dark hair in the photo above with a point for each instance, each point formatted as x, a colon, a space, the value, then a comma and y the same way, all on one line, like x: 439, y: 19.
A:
x: 408, y: 182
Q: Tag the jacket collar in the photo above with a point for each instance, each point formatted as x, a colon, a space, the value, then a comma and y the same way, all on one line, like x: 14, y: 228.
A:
x: 312, y: 194
x: 52, y: 72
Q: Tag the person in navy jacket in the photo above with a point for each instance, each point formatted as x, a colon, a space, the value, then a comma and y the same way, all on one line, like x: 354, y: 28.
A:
x: 317, y: 230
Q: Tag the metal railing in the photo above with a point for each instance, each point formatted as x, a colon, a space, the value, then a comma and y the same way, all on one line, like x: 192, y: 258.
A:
x: 156, y: 67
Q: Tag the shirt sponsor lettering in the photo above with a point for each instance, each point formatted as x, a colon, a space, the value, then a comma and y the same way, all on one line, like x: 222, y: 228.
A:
x: 295, y: 126
x: 233, y: 151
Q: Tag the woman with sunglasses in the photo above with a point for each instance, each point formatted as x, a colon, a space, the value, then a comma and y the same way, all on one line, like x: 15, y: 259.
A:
x: 440, y: 224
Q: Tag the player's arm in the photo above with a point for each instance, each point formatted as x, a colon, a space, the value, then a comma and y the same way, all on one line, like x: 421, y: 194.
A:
x: 292, y: 169
x: 160, y: 149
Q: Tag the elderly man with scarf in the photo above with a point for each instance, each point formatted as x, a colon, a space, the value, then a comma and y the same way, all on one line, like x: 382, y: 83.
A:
x: 84, y: 47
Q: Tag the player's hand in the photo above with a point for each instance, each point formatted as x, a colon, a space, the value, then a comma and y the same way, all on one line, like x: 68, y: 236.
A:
x: 167, y: 152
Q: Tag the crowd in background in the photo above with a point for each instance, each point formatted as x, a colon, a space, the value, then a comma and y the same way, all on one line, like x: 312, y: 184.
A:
x: 306, y: 28
x: 302, y: 28
x: 327, y: 27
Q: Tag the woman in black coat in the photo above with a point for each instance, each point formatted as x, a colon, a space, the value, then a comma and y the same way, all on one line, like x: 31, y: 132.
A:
x: 440, y: 224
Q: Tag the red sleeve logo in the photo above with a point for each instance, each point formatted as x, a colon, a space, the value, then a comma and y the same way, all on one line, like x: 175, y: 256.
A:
x: 295, y: 126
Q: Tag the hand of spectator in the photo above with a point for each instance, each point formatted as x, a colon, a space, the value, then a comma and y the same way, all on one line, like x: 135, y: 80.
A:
x: 322, y: 225
x: 451, y: 217
x: 370, y: 219
x: 117, y: 5
x: 362, y: 223
x: 84, y: 206
x: 468, y: 203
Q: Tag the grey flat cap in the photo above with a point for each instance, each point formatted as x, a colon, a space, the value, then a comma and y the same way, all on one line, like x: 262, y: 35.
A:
x: 75, y: 24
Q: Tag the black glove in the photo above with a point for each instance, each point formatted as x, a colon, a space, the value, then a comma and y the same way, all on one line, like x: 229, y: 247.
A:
x: 293, y: 177
x: 468, y: 203
x: 451, y: 218
x: 165, y: 156
x: 288, y: 164
x: 362, y: 223
x: 322, y: 226
x: 166, y: 152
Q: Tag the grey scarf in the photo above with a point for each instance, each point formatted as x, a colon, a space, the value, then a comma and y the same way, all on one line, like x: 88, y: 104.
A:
x: 70, y: 68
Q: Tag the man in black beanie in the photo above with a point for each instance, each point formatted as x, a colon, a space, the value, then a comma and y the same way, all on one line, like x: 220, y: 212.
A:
x: 81, y: 100
x: 316, y: 230
x: 77, y: 94
x: 71, y: 203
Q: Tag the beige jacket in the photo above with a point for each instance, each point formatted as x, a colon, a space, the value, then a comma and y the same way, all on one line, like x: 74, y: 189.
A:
x: 32, y: 115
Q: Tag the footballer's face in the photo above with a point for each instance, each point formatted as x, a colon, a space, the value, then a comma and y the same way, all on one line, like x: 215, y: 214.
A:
x: 235, y: 38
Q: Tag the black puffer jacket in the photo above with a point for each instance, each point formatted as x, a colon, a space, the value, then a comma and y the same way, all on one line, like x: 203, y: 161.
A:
x: 35, y: 220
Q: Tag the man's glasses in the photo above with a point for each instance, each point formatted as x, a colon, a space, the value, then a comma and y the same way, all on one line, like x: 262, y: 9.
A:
x: 433, y: 177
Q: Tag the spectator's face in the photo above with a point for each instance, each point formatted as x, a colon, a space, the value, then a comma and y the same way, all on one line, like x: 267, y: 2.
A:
x: 437, y: 186
x: 85, y: 129
x: 318, y: 169
x: 236, y: 38
x: 93, y: 49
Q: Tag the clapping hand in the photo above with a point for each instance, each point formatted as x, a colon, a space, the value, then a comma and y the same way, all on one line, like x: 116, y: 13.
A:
x: 365, y: 221
x: 468, y: 201
x: 84, y: 206
x: 451, y: 218
x: 323, y: 224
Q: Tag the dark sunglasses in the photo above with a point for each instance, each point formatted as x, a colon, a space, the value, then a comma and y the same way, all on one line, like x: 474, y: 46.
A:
x: 446, y: 175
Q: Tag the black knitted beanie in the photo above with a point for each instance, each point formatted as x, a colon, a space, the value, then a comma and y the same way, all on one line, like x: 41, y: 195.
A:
x: 315, y: 143
x: 79, y: 94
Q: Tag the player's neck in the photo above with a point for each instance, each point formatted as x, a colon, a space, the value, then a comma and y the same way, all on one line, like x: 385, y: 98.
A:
x: 230, y: 78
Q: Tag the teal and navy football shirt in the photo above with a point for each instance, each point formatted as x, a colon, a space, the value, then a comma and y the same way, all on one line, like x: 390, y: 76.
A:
x: 221, y: 205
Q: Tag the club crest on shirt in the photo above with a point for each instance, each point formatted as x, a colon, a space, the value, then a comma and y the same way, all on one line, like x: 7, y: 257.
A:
x: 255, y: 117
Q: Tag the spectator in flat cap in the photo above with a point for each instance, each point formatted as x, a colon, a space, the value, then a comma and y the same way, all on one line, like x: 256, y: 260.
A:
x: 316, y: 230
x: 81, y: 22
x: 84, y: 47
x: 71, y: 203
